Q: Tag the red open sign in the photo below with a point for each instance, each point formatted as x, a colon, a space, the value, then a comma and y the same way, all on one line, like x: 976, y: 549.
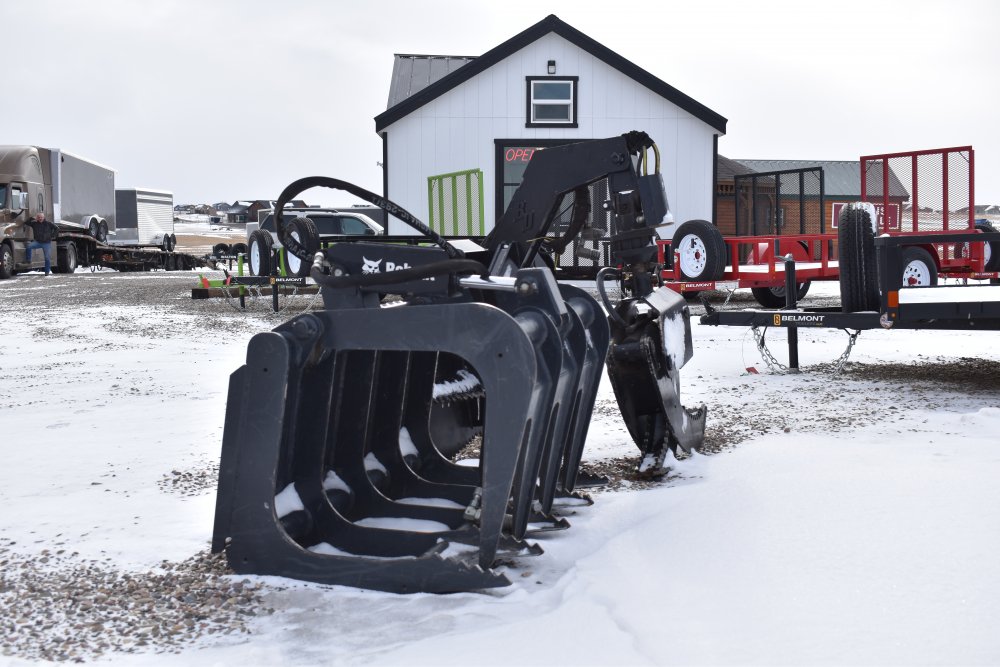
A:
x: 519, y: 154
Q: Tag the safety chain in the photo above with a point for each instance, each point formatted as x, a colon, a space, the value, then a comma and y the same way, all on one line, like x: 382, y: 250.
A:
x: 776, y: 366
x: 255, y: 292
x: 842, y: 360
x: 769, y: 359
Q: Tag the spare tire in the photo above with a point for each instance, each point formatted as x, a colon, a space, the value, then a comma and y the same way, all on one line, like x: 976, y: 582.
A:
x: 303, y: 230
x: 259, y: 253
x: 701, y: 251
x: 856, y: 248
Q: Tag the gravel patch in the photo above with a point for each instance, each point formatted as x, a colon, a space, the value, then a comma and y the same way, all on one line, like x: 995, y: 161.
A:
x: 55, y: 606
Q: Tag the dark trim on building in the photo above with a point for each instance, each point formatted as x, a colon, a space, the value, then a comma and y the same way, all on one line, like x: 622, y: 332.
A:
x: 549, y: 24
x: 385, y: 165
x: 498, y: 149
x: 572, y: 123
x: 715, y: 178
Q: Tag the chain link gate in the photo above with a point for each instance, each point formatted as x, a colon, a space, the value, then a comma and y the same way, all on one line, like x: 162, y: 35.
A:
x: 455, y: 203
x: 780, y: 203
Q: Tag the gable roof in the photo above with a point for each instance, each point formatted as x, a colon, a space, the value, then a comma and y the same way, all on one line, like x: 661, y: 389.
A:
x: 550, y: 23
x: 841, y: 178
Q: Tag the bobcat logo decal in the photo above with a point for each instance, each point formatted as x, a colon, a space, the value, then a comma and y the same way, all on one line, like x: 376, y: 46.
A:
x: 370, y: 265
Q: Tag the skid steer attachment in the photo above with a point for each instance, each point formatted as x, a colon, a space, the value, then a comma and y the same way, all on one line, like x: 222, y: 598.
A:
x: 342, y: 427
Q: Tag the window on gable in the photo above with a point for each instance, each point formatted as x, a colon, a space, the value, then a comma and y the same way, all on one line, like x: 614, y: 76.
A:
x: 551, y: 101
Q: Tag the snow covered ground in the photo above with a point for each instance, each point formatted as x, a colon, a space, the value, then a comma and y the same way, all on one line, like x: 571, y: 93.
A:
x: 850, y: 519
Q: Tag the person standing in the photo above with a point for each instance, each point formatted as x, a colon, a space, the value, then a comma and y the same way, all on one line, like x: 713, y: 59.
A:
x: 44, y: 232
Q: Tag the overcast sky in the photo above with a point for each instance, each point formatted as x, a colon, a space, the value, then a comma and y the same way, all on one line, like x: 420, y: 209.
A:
x: 218, y: 100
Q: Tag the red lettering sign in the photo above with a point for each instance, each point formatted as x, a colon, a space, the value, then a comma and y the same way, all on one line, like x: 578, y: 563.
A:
x: 519, y: 154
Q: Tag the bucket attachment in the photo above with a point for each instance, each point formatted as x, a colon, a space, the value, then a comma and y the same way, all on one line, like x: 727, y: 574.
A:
x: 651, y: 342
x: 335, y: 468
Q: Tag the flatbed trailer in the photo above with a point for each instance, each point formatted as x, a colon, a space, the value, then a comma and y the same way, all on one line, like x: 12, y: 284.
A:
x: 953, y: 307
x: 75, y: 249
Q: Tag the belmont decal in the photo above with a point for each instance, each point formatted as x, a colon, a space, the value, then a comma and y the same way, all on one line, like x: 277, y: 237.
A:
x: 798, y: 319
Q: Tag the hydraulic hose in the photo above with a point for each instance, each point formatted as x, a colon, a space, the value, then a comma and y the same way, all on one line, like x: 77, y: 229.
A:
x: 608, y: 306
x: 297, y: 187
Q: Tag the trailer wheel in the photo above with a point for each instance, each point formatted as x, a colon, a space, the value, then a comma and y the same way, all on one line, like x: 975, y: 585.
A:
x: 6, y: 261
x: 774, y: 297
x: 991, y: 253
x: 919, y: 269
x: 238, y: 249
x: 66, y: 259
x: 260, y: 253
x: 858, y: 274
x: 102, y: 231
x: 701, y: 251
x: 93, y: 228
x: 173, y: 242
x: 220, y: 249
x: 304, y: 231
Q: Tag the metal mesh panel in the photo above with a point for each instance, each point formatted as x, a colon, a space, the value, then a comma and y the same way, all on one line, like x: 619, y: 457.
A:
x: 585, y: 256
x: 920, y: 191
x: 780, y: 203
x: 455, y: 203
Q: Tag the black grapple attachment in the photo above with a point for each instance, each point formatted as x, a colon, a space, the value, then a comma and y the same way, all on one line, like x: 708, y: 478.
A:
x: 336, y: 460
x: 342, y: 429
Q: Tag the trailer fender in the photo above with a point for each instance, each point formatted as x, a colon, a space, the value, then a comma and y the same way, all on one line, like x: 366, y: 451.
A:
x: 763, y: 252
x: 96, y: 226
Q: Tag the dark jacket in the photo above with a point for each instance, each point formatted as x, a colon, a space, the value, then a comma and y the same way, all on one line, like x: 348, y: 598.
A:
x: 43, y: 231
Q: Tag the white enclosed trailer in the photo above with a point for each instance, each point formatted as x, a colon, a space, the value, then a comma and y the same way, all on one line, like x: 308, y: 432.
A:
x: 143, y: 216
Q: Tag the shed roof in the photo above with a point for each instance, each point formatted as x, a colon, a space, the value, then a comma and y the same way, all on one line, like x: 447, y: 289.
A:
x: 412, y: 73
x: 725, y: 168
x: 462, y: 72
x: 842, y: 178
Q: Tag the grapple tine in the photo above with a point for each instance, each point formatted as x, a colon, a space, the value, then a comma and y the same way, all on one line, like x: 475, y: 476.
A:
x: 598, y: 336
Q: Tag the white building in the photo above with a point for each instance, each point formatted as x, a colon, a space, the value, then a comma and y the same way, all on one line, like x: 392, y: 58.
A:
x: 458, y: 131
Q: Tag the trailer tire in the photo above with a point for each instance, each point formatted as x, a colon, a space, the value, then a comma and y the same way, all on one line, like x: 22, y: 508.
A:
x: 6, y: 261
x: 173, y: 242
x: 858, y: 272
x: 701, y: 250
x: 304, y: 231
x: 992, y: 249
x: 259, y: 253
x: 919, y: 268
x: 66, y: 259
x: 220, y: 249
x: 774, y: 297
x: 102, y: 231
x: 93, y: 227
x: 238, y: 249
